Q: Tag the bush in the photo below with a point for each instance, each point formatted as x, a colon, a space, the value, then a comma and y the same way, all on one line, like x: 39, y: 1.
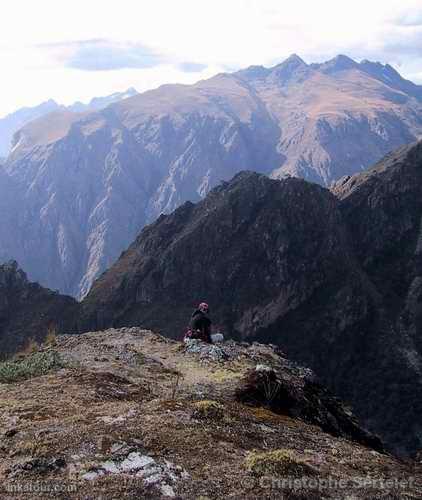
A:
x: 51, y: 337
x: 207, y: 409
x: 278, y: 462
x: 31, y: 347
x: 34, y: 365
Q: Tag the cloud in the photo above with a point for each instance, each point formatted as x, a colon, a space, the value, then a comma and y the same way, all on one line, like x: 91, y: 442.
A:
x: 104, y: 55
x: 409, y: 48
x: 410, y: 18
x: 399, y: 48
x: 274, y: 26
x: 99, y: 54
x: 192, y: 67
x: 416, y: 78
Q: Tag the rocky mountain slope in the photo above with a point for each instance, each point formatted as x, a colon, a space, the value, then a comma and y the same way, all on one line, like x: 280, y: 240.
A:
x: 11, y: 123
x: 255, y: 248
x: 127, y: 413
x: 333, y: 278
x: 28, y: 311
x: 87, y: 184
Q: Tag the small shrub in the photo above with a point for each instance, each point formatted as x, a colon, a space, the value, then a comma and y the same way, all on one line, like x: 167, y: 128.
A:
x: 31, y: 347
x: 175, y: 385
x: 278, y: 462
x: 208, y: 409
x: 263, y: 386
x: 271, y: 388
x: 33, y: 447
x: 51, y: 337
x: 34, y: 365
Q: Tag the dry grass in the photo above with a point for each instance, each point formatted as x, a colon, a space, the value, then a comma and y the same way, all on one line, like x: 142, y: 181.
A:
x: 280, y: 462
x: 208, y: 409
x: 30, y: 347
x: 176, y: 385
x: 51, y: 337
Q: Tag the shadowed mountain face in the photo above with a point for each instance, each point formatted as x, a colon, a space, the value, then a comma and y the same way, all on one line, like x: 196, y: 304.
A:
x: 28, y: 311
x: 86, y: 184
x: 334, y: 278
x: 255, y: 248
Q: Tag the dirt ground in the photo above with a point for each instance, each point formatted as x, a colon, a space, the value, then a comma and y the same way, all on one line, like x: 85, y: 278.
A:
x: 133, y: 415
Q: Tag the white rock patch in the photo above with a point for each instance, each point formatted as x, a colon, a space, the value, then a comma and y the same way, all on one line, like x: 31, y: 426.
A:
x: 160, y: 475
x: 135, y: 461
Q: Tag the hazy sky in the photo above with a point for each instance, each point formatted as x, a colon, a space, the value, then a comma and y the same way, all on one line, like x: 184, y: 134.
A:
x: 72, y: 50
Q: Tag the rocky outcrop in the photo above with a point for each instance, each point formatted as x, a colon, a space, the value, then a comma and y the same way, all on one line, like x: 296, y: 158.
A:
x: 293, y: 390
x: 150, y: 419
x: 331, y: 277
x: 86, y: 184
x: 28, y: 311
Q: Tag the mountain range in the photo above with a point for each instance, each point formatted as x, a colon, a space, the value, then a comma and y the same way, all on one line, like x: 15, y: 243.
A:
x: 11, y: 123
x: 333, y: 277
x: 77, y: 188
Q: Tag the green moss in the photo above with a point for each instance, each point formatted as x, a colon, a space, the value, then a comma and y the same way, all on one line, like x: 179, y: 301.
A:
x: 223, y: 375
x: 277, y: 462
x: 34, y: 365
x: 208, y: 409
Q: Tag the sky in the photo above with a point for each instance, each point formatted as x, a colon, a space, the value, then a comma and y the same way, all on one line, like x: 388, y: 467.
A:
x: 71, y: 50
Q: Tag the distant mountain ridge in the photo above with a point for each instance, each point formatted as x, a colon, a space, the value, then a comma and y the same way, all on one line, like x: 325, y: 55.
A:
x: 85, y: 184
x: 97, y: 103
x: 14, y: 121
x: 11, y: 123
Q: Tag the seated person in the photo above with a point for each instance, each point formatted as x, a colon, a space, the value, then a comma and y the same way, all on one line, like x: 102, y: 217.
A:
x: 200, y: 324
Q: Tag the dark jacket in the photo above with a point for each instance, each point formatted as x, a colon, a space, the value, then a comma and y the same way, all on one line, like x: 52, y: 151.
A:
x: 201, y: 321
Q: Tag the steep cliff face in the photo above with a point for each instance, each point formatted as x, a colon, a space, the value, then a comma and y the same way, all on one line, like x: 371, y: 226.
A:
x: 28, y: 311
x: 331, y: 277
x: 88, y: 183
x: 383, y: 209
x: 84, y: 204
